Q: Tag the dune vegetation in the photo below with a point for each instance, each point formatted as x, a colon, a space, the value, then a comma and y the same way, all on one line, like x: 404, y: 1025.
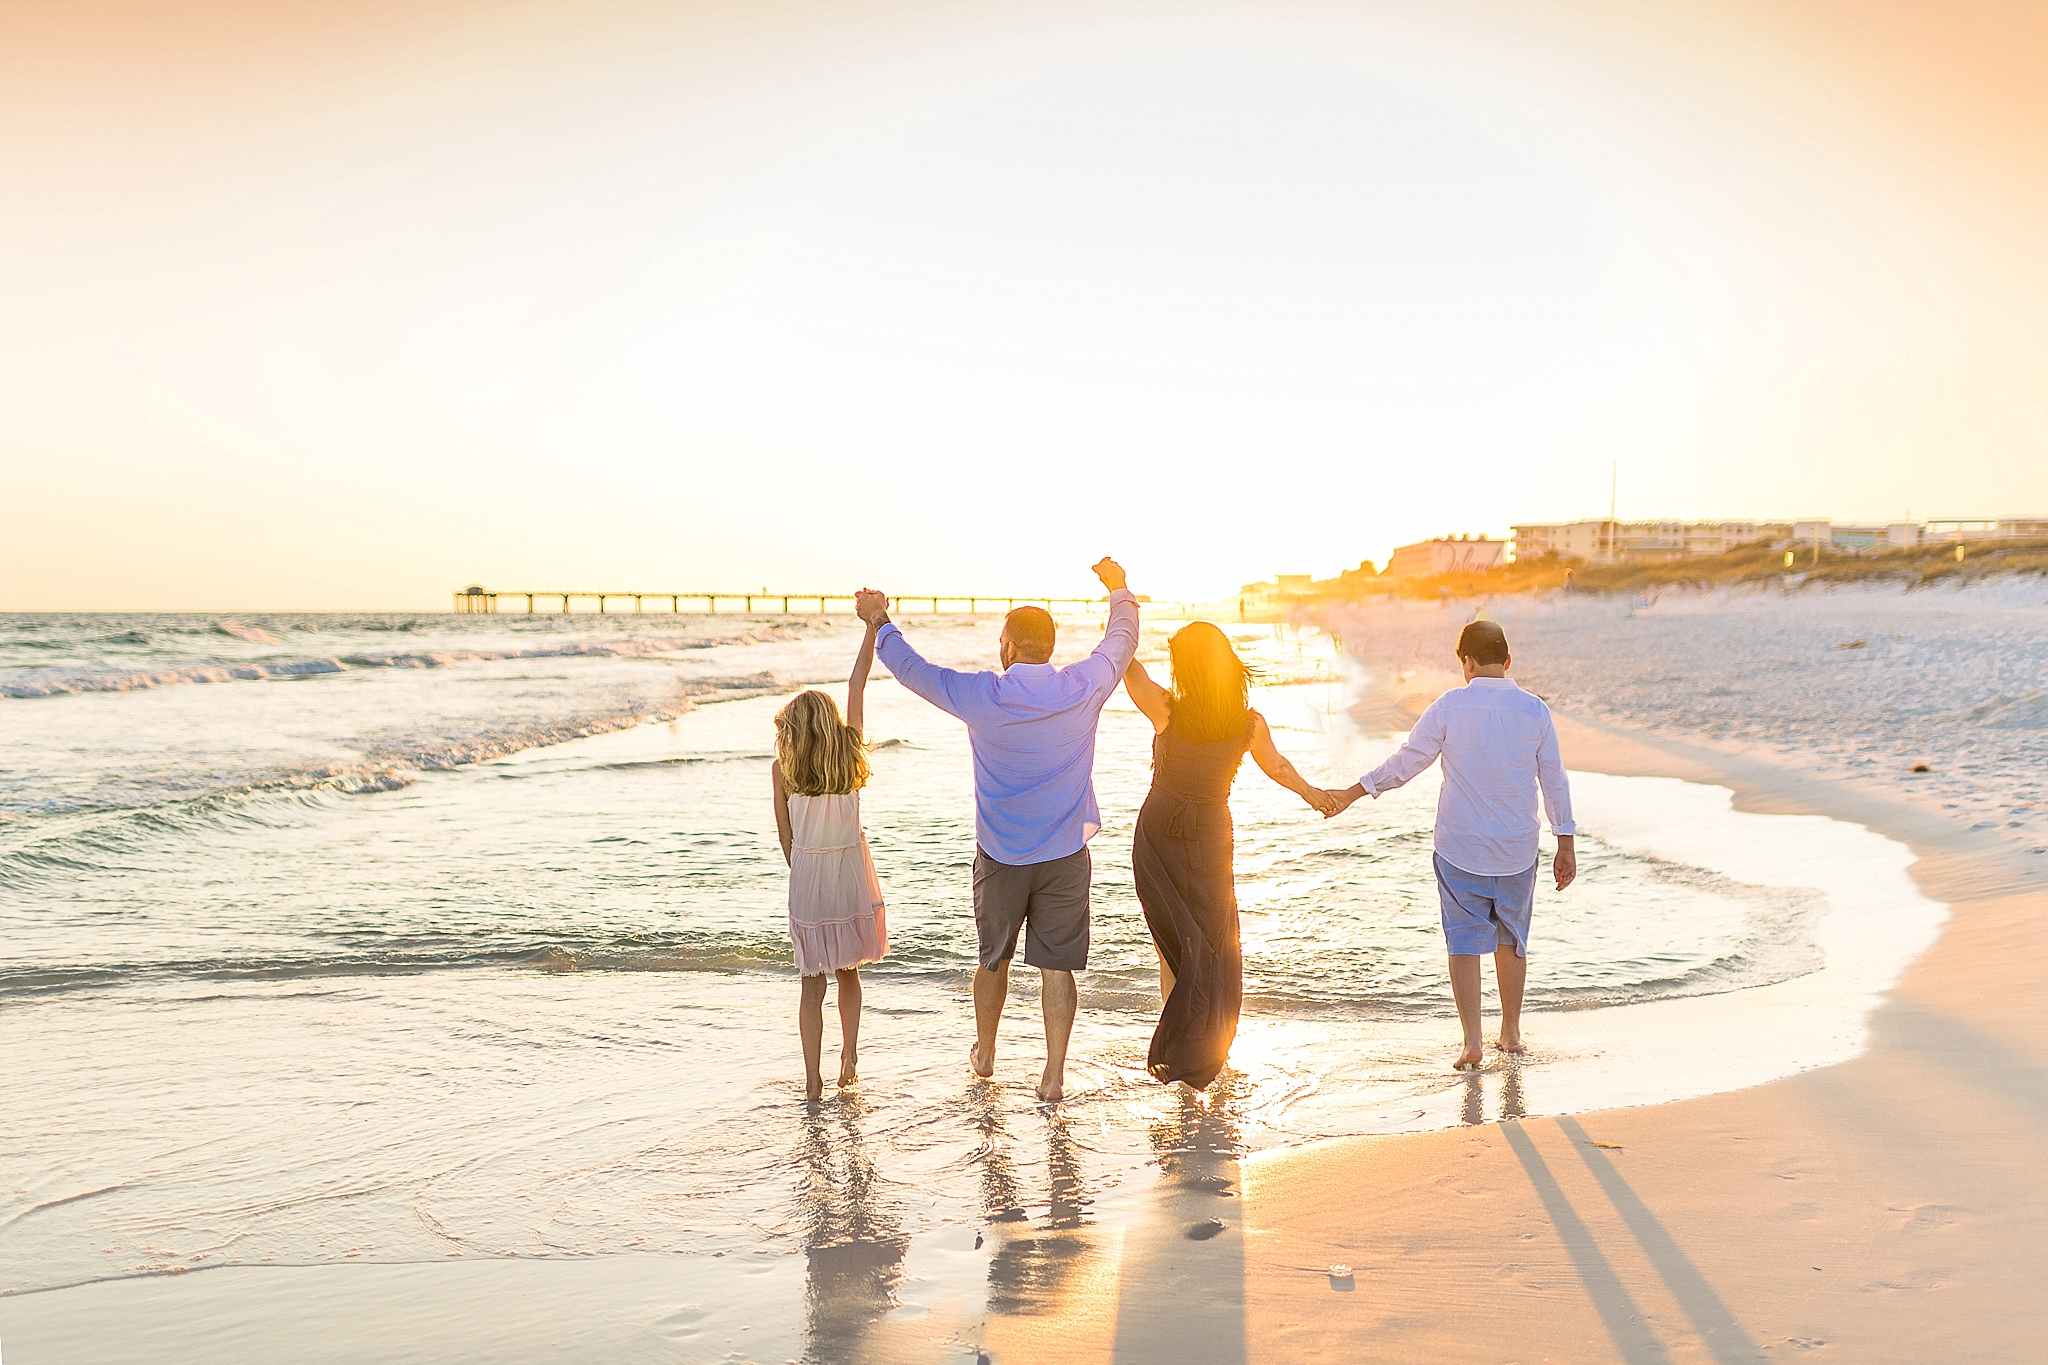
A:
x: 1762, y: 562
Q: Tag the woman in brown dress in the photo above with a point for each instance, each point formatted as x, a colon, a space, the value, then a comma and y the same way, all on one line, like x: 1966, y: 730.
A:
x: 1182, y: 856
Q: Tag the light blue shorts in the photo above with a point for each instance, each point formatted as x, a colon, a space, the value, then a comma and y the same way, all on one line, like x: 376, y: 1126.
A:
x: 1480, y: 913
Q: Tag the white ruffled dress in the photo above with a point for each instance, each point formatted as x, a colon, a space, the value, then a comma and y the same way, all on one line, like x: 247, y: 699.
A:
x: 836, y: 919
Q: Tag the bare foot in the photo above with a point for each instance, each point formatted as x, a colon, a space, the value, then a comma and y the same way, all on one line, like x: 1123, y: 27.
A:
x: 847, y: 1072
x: 1471, y: 1059
x: 1051, y: 1088
x: 1512, y: 1046
x: 814, y: 1088
x: 975, y: 1064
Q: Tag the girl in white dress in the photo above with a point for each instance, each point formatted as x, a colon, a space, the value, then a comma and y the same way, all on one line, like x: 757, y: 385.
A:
x: 835, y: 900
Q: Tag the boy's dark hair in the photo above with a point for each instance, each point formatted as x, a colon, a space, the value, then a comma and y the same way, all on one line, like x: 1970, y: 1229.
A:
x: 1031, y: 632
x: 1484, y: 643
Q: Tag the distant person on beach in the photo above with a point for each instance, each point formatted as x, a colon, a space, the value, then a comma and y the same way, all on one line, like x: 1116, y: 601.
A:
x: 1182, y: 855
x: 1032, y: 730
x: 836, y: 919
x: 1499, y: 747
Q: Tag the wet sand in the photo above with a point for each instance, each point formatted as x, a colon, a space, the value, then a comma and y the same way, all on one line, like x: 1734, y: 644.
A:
x: 1887, y: 1208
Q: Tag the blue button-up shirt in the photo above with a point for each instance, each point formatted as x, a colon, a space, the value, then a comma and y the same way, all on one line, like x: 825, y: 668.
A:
x: 1032, y: 730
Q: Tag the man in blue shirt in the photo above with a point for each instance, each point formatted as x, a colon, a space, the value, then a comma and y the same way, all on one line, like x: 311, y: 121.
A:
x: 1032, y: 730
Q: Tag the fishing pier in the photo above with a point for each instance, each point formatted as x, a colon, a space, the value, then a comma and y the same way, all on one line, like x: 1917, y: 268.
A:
x: 476, y: 598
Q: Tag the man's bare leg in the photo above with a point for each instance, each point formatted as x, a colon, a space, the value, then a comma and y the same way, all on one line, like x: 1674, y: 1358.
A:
x: 849, y: 1026
x: 991, y: 989
x: 1511, y: 974
x: 1465, y: 990
x: 1165, y: 975
x: 810, y: 1026
x: 1059, y: 998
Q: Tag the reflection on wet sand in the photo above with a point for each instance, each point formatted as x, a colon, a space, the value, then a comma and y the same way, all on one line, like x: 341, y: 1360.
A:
x: 851, y: 1232
x: 1512, y: 1105
x: 1032, y: 1265
x: 1181, y: 1294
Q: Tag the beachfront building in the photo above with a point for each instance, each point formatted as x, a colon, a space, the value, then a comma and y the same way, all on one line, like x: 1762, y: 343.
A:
x: 1986, y: 528
x: 1638, y: 540
x: 1858, y: 537
x: 1447, y: 554
x: 1261, y: 599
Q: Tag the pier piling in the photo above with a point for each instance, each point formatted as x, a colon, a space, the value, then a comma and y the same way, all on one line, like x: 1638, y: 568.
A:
x: 477, y: 598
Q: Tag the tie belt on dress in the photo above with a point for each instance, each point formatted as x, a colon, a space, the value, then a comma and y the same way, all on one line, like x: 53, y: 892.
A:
x: 827, y: 848
x: 1179, y: 824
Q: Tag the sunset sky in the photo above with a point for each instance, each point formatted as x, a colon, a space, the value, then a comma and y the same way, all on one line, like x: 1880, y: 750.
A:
x: 343, y: 305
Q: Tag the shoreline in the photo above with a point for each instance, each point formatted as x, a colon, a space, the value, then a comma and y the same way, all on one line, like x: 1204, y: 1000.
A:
x: 1886, y: 1205
x: 1683, y: 1241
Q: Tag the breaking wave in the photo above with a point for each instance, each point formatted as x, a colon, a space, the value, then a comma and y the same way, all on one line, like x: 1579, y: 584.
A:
x: 57, y: 682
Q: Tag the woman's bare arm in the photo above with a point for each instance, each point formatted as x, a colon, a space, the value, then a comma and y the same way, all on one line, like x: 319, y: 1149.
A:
x: 1274, y: 764
x: 1148, y: 696
x: 857, y: 685
x: 782, y: 829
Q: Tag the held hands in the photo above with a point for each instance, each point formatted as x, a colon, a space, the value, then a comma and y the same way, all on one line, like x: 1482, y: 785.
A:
x: 871, y: 606
x: 1323, y: 801
x: 1337, y: 802
x: 1111, y: 573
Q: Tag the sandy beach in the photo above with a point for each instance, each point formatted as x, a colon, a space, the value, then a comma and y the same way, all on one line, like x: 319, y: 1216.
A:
x: 1878, y: 1204
x: 1882, y: 1209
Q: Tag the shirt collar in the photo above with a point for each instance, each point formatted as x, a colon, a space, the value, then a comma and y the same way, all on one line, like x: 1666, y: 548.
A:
x: 1496, y: 682
x: 1028, y: 670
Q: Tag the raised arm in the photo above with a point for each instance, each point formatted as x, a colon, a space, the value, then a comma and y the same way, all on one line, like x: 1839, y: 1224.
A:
x: 783, y: 831
x: 1275, y: 765
x: 1147, y: 696
x: 948, y: 689
x: 857, y: 684
x: 1112, y: 658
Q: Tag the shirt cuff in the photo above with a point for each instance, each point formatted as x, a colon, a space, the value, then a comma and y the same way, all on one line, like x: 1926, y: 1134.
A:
x: 1370, y: 789
x: 1124, y: 593
x: 1569, y: 828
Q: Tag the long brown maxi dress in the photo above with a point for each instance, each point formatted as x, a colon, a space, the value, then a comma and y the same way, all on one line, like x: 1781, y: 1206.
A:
x: 1182, y: 860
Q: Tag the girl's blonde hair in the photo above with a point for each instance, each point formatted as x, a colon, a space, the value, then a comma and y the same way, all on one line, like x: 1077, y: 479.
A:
x: 821, y: 754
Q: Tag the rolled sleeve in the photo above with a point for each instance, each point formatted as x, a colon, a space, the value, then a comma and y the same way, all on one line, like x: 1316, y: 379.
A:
x: 1104, y: 667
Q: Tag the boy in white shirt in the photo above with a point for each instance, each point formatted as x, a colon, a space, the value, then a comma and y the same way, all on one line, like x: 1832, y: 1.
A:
x: 1499, y: 746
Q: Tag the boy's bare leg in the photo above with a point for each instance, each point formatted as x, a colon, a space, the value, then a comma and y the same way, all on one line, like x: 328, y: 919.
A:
x: 1059, y: 998
x: 849, y: 1025
x: 1465, y: 990
x: 991, y: 989
x: 1510, y: 973
x: 810, y: 1026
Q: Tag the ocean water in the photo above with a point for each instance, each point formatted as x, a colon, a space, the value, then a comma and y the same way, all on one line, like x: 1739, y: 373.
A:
x: 407, y: 938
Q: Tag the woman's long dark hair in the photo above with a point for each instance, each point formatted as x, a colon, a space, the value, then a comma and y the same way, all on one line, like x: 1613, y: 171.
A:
x: 1211, y: 692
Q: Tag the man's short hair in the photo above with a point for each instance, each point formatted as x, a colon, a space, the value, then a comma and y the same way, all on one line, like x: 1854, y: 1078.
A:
x: 1031, y: 633
x: 1484, y: 643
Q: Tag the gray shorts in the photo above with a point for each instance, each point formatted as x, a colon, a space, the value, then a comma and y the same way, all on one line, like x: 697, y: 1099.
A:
x: 1048, y: 901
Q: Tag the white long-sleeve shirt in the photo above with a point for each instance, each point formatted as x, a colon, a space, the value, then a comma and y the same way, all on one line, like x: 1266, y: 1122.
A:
x: 1499, y: 746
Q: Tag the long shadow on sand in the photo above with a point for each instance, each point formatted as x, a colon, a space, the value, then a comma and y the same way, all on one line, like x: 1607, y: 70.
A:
x: 1618, y: 1310
x: 1723, y: 1336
